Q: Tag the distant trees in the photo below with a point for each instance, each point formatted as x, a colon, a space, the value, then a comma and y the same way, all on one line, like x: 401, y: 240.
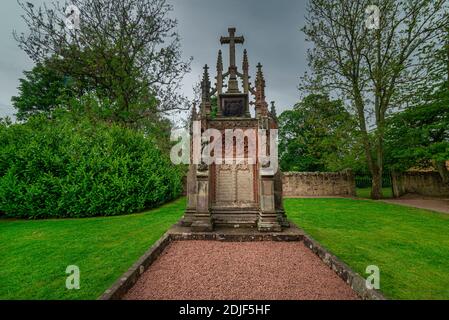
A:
x: 419, y: 136
x: 374, y: 70
x: 126, y: 51
x: 42, y: 90
x: 317, y: 135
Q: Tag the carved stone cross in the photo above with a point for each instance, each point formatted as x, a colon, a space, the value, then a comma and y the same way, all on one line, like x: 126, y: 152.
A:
x: 232, y: 40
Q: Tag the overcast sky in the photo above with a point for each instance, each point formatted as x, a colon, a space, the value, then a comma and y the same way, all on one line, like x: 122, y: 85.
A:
x: 272, y: 37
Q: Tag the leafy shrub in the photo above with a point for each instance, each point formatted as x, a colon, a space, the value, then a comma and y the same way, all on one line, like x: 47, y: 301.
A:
x: 58, y: 168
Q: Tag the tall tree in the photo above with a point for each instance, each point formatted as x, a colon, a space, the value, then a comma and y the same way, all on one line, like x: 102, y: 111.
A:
x: 41, y: 91
x: 419, y: 136
x: 125, y: 50
x: 316, y: 136
x: 435, y: 91
x: 422, y: 130
x: 371, y: 67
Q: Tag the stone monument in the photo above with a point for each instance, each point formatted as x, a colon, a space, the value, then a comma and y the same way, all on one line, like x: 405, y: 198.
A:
x: 237, y: 194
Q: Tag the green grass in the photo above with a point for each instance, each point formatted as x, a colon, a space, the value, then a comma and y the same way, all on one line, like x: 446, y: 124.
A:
x: 35, y: 254
x: 410, y: 246
x: 366, y: 193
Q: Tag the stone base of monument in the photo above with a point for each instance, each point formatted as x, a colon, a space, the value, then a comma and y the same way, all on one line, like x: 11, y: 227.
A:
x: 179, y: 233
x: 202, y: 226
x: 231, y: 218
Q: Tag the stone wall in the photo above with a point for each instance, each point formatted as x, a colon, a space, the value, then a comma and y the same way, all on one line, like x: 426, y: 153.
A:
x: 319, y: 184
x: 423, y: 183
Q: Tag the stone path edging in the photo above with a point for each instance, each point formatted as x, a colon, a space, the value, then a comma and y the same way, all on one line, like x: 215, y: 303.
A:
x: 130, y: 277
x: 352, y: 278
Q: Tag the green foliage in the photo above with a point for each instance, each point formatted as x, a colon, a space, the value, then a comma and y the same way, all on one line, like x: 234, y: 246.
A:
x: 318, y: 135
x: 366, y: 193
x: 377, y: 70
x: 419, y: 136
x: 73, y: 167
x: 41, y: 91
x: 214, y: 107
x: 153, y: 125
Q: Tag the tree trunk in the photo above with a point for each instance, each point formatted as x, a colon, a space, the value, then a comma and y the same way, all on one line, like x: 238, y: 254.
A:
x: 376, y: 174
x: 376, y: 191
x: 442, y: 170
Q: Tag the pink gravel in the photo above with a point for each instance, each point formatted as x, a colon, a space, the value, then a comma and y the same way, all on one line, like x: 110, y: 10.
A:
x: 211, y: 270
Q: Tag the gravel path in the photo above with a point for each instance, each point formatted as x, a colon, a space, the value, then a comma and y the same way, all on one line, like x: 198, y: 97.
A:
x: 198, y: 270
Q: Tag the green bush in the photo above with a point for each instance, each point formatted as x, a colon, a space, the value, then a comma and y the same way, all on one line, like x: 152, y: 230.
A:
x: 63, y: 168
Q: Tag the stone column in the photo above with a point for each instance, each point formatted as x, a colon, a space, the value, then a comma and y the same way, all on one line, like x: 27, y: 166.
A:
x: 278, y: 202
x: 268, y: 217
x: 202, y: 219
x: 191, y: 197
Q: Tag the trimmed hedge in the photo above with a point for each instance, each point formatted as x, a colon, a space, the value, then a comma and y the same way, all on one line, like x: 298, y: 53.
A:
x: 63, y: 168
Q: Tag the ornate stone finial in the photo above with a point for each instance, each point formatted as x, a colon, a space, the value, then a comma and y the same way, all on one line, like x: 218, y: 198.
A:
x: 220, y: 62
x: 245, y: 61
x: 206, y: 71
x: 232, y: 40
x: 273, y: 110
x: 261, y: 104
x: 219, y: 83
x: 259, y: 70
x: 260, y: 82
x: 245, y: 68
x: 205, y: 85
x: 205, y: 90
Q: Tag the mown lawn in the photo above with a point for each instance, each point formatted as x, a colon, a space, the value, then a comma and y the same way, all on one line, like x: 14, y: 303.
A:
x: 35, y: 254
x: 366, y: 193
x: 410, y: 246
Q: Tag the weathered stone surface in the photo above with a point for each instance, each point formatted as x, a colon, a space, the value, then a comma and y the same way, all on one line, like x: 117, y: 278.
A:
x: 423, y: 183
x: 179, y: 233
x: 357, y: 282
x: 318, y: 184
x: 130, y: 277
x: 226, y: 182
x: 232, y: 194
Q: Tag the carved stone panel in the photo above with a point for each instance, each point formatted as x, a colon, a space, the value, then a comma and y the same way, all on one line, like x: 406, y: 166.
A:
x: 245, y: 189
x: 234, y: 186
x: 225, y: 184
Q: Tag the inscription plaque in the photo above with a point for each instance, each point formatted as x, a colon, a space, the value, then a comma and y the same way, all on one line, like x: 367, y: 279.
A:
x: 225, y: 184
x: 234, y: 185
x: 234, y: 106
x: 245, y: 191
